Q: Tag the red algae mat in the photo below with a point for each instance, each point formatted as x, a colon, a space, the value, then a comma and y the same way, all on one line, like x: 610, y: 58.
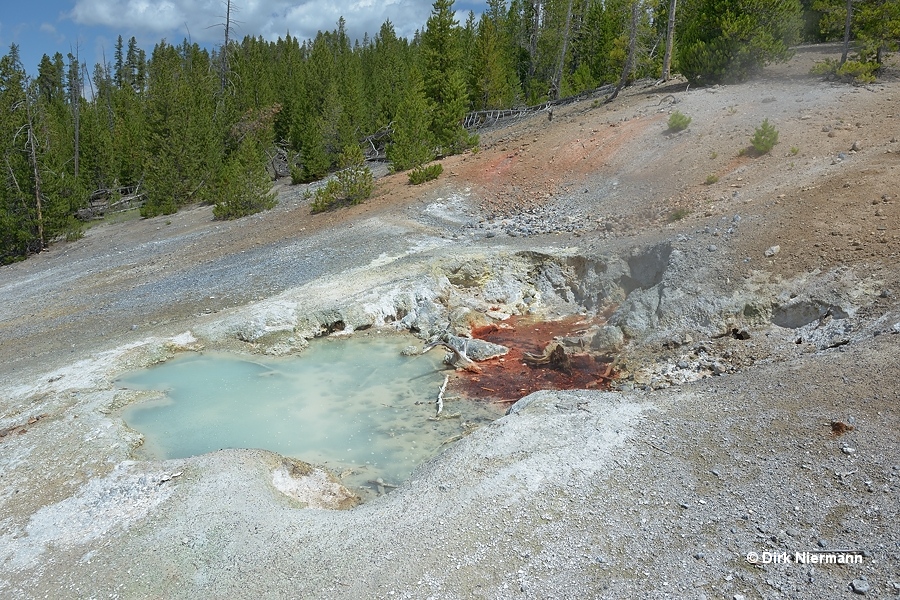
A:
x: 508, y: 378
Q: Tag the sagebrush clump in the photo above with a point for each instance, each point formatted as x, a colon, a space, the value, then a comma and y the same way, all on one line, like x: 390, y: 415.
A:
x: 764, y: 138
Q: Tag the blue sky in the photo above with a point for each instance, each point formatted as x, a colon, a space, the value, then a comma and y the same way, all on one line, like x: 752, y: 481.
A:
x: 48, y: 26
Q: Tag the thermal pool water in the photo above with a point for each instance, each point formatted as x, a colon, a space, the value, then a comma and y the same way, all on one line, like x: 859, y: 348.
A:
x: 353, y: 405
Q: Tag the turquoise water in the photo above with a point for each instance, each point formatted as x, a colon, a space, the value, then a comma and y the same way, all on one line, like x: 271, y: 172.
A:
x: 354, y: 405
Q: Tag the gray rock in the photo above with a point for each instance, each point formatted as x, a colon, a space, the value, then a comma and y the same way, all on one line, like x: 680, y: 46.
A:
x: 860, y: 586
x: 857, y: 146
x: 823, y: 543
x: 712, y: 248
x: 608, y: 338
x: 772, y: 251
x: 474, y: 348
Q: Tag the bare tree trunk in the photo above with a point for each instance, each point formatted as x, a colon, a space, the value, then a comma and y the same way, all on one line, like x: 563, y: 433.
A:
x: 670, y: 39
x: 632, y: 47
x: 76, y: 109
x: 847, y: 31
x: 225, y: 47
x: 532, y: 42
x: 557, y: 79
x: 31, y: 142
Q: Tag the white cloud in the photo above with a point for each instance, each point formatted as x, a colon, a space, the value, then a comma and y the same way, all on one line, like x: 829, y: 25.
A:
x: 270, y: 19
x: 50, y: 30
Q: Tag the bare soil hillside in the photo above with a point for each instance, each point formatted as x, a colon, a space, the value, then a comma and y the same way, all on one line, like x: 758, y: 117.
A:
x: 749, y: 304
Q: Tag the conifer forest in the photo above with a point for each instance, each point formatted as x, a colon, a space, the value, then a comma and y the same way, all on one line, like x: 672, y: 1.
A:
x: 180, y: 124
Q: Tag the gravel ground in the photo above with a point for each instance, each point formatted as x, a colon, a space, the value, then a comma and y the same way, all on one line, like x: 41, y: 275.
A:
x: 756, y: 416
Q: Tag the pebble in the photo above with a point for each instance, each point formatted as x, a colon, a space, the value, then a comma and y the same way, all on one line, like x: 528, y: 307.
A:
x: 772, y: 250
x: 823, y: 543
x: 712, y: 248
x: 699, y: 556
x: 860, y: 586
x: 848, y: 450
x: 857, y: 146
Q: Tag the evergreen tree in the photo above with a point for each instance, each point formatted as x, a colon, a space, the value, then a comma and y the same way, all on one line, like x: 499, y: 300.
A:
x: 493, y: 79
x: 443, y: 77
x: 412, y: 143
x: 877, y: 26
x: 17, y: 235
x: 243, y: 185
x: 730, y: 40
x: 386, y: 67
x: 184, y: 141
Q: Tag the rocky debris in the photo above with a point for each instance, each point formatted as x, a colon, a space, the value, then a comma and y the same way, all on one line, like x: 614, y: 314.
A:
x: 772, y: 251
x: 605, y: 338
x: 312, y: 487
x: 472, y: 348
x: 860, y: 586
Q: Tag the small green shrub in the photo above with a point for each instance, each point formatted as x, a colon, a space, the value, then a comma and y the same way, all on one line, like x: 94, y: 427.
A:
x: 711, y: 179
x: 858, y: 71
x: 325, y: 197
x: 74, y: 232
x: 352, y: 184
x: 795, y: 150
x: 678, y: 214
x: 678, y: 121
x: 297, y: 175
x: 421, y: 174
x: 713, y: 155
x: 852, y: 70
x: 764, y: 138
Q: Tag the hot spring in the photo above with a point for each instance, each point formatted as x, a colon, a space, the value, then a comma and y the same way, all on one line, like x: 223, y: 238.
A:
x: 354, y: 405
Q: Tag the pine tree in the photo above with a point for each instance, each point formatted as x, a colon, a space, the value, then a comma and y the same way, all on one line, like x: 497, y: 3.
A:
x: 730, y: 40
x: 243, y: 186
x: 443, y: 76
x: 412, y: 143
x: 493, y: 80
x: 184, y: 141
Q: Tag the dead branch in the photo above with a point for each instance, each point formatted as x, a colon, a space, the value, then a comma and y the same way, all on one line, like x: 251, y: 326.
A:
x: 460, y: 355
x: 440, y: 397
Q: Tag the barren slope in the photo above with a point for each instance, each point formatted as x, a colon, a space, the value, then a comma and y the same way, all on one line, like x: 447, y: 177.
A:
x: 758, y: 311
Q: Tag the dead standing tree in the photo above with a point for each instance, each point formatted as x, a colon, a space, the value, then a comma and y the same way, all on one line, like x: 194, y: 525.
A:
x: 670, y: 39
